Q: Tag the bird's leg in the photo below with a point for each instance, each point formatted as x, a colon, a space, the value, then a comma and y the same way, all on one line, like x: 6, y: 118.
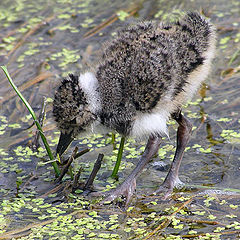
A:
x: 127, y: 188
x: 183, y: 136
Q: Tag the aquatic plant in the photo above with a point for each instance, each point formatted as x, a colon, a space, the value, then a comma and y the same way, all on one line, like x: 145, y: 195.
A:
x: 53, y: 162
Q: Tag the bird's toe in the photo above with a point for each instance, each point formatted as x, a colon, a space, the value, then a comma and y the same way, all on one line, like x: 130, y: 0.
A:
x: 125, y: 190
x: 164, y: 191
x: 166, y: 188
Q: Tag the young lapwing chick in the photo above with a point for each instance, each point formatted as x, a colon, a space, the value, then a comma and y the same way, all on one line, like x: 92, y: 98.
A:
x: 143, y: 78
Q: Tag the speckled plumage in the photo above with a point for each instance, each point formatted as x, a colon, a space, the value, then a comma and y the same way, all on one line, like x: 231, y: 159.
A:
x: 149, y: 68
x: 143, y: 78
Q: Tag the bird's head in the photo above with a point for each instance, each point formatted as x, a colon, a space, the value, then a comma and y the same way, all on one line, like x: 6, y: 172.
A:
x: 71, y: 111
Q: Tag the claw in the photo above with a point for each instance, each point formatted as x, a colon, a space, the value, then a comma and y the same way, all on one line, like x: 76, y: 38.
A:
x: 167, y: 187
x: 165, y: 191
x: 126, y: 189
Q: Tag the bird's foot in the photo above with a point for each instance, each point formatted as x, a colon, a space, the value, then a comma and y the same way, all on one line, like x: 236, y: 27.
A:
x: 166, y: 188
x: 126, y: 190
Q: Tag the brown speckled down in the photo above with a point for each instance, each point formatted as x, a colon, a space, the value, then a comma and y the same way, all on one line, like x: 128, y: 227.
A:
x: 143, y: 76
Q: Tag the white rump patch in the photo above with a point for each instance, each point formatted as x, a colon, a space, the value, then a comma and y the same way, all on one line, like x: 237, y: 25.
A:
x: 150, y: 123
x: 89, y: 84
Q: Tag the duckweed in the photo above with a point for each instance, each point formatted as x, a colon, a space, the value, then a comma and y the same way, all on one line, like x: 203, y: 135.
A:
x: 110, y: 223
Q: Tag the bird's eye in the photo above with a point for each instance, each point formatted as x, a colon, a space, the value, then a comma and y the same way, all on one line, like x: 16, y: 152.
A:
x: 73, y: 122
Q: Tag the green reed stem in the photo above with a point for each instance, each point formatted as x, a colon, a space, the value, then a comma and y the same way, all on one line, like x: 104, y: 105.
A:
x: 113, y: 141
x: 54, y: 164
x: 119, y: 158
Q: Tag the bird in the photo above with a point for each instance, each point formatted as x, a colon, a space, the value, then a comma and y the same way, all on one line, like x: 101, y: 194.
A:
x: 143, y: 77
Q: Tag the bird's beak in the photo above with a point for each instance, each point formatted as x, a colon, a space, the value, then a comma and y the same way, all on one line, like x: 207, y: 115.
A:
x: 63, y: 143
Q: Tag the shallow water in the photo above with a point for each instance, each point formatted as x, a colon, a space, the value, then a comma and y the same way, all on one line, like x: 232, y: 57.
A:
x: 43, y: 41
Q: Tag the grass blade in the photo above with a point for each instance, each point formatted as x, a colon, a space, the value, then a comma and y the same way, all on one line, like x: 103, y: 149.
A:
x: 119, y: 158
x: 54, y: 164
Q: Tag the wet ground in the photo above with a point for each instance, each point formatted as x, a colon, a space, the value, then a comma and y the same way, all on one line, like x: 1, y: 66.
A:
x: 40, y: 43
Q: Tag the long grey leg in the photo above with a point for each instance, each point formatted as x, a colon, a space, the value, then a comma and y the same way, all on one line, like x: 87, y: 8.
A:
x: 128, y: 187
x: 183, y: 136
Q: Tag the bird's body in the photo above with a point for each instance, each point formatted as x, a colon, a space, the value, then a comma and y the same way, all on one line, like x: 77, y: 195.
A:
x: 143, y: 77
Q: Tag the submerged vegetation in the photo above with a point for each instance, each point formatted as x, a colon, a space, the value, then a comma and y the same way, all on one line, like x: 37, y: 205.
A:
x: 40, y: 43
